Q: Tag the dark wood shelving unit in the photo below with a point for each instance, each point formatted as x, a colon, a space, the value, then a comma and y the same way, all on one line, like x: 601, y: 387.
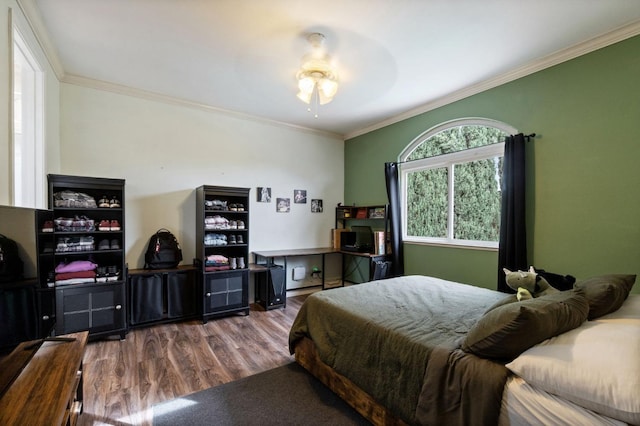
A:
x: 98, y: 307
x: 222, y: 232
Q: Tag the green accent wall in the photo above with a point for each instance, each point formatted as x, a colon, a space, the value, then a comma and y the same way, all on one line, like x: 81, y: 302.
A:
x: 583, y: 194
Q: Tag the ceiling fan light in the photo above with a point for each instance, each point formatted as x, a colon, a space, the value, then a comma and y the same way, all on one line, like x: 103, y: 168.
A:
x: 304, y: 97
x: 322, y: 99
x: 317, y: 79
x: 328, y: 87
x: 306, y: 83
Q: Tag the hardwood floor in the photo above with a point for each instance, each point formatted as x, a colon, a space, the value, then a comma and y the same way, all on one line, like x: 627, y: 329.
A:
x: 124, y: 379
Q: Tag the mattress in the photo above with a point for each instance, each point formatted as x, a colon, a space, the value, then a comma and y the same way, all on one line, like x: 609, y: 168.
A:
x: 524, y: 405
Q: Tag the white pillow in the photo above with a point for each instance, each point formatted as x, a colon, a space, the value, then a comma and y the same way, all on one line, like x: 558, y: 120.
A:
x: 596, y: 365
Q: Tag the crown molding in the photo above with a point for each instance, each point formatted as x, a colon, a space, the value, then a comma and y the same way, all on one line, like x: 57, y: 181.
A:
x: 34, y: 19
x: 32, y: 14
x: 607, y: 39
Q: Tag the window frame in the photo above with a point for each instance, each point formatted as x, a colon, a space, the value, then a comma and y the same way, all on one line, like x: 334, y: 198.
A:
x: 448, y: 161
x: 27, y: 190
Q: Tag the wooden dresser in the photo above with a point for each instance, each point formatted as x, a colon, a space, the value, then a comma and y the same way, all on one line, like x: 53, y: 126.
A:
x: 41, y: 382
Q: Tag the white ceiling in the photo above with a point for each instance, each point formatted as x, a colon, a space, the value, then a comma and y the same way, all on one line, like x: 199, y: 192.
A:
x: 395, y: 58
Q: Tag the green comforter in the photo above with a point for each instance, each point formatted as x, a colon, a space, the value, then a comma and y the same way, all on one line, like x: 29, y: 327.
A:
x: 381, y: 335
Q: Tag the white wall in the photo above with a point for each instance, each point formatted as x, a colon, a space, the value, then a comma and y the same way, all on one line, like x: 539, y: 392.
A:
x: 164, y: 151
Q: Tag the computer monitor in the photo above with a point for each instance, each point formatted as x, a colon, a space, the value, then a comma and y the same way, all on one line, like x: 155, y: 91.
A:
x: 359, y: 239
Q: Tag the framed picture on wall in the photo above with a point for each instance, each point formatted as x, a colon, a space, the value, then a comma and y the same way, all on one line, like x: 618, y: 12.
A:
x: 316, y: 206
x: 300, y: 196
x: 376, y: 213
x: 283, y: 205
x: 264, y: 194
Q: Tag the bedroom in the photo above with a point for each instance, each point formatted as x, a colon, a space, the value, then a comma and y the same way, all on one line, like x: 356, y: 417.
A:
x: 576, y: 207
x: 584, y: 203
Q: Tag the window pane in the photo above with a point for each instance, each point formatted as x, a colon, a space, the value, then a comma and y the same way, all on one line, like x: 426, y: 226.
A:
x: 477, y: 199
x: 457, y: 139
x: 427, y: 203
x: 28, y: 129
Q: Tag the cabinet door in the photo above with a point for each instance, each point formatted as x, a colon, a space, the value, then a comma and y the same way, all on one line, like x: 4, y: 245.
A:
x: 94, y: 308
x: 47, y: 312
x: 225, y: 291
x: 107, y: 308
x: 18, y: 315
x: 181, y: 294
x: 146, y: 298
x: 73, y: 309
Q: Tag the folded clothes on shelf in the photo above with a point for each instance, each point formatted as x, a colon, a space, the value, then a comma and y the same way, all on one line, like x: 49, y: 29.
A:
x: 74, y: 199
x: 75, y: 224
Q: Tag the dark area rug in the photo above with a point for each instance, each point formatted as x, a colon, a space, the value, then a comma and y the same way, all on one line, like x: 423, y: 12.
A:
x: 286, y: 395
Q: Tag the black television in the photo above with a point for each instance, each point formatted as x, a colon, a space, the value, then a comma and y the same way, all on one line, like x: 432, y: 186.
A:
x: 359, y: 239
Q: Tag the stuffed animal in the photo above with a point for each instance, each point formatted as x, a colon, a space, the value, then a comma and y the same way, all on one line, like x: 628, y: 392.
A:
x: 528, y: 284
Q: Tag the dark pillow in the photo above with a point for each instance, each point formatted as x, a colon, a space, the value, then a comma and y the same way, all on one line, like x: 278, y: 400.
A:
x: 506, y: 331
x: 557, y: 281
x: 606, y: 293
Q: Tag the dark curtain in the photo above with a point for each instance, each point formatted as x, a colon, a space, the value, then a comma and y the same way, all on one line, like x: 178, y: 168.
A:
x: 393, y: 192
x: 512, y: 252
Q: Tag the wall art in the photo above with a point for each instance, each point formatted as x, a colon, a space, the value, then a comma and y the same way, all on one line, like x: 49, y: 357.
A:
x: 300, y: 196
x: 264, y: 194
x: 283, y: 205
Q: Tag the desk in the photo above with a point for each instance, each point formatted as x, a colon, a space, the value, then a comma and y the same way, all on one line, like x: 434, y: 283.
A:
x: 269, y: 256
x: 45, y: 380
x: 348, y: 274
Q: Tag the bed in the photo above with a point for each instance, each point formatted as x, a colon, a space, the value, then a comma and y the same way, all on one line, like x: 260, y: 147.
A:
x: 421, y: 350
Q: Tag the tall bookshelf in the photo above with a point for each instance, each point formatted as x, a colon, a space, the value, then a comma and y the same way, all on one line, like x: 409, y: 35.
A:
x: 222, y: 249
x: 88, y: 226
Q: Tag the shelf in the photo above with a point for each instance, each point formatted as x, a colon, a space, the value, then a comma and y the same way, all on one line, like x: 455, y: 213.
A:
x: 96, y: 283
x: 89, y: 209
x: 96, y: 306
x: 226, y: 211
x: 178, y: 269
x: 225, y: 270
x: 79, y: 253
x: 224, y: 291
x: 374, y: 216
x: 84, y: 232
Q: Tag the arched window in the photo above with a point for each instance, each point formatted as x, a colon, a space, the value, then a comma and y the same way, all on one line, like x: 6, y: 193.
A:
x: 451, y: 183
